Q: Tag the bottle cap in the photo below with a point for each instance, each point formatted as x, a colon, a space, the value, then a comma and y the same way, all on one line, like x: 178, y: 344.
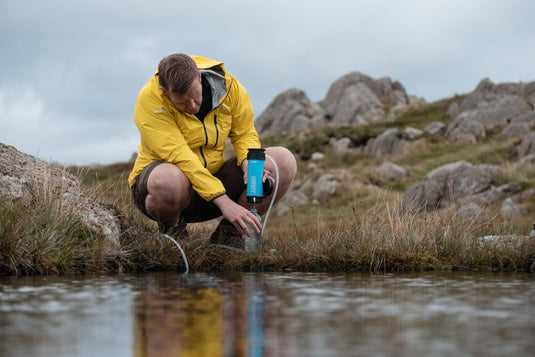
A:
x: 256, y: 154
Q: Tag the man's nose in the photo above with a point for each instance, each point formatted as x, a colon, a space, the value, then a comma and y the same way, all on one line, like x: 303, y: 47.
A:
x: 192, y: 104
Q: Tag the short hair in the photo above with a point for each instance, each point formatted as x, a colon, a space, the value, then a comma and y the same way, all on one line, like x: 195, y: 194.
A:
x: 176, y: 72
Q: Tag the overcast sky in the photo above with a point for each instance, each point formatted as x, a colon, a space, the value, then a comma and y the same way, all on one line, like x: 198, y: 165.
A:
x: 70, y: 70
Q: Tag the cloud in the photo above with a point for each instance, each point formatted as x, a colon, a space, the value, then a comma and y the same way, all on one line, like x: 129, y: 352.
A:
x: 71, y: 71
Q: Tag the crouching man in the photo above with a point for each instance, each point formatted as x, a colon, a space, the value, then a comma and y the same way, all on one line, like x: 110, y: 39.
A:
x: 184, y: 114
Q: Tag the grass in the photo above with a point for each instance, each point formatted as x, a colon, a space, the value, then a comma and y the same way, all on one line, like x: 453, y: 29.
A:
x: 358, y: 229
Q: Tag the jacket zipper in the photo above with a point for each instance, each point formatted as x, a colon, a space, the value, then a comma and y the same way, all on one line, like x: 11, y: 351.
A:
x: 205, y: 144
x: 203, y: 157
x: 216, y: 131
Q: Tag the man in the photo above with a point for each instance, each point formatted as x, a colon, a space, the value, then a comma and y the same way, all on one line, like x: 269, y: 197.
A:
x: 184, y: 115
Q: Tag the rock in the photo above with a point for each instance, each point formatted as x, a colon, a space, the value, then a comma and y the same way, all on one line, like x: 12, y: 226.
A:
x: 509, y: 209
x: 316, y: 156
x: 358, y: 105
x: 389, y: 142
x: 391, y: 171
x: 26, y: 178
x: 528, y: 118
x: 511, y: 241
x: 492, y: 195
x: 465, y: 128
x: 292, y: 199
x: 469, y: 211
x: 356, y: 99
x: 488, y: 107
x: 527, y: 146
x: 324, y: 188
x: 411, y: 134
x: 449, y: 184
x: 436, y: 128
x: 526, y: 160
x: 290, y: 111
x: 340, y: 146
x: 515, y: 130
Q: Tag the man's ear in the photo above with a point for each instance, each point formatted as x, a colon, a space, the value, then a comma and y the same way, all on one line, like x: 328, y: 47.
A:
x: 164, y: 91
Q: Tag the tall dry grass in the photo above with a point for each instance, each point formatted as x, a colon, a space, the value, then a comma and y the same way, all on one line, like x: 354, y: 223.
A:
x: 368, y: 234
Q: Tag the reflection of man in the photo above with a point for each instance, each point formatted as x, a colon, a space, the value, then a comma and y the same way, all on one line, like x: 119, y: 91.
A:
x: 193, y: 321
x: 184, y: 114
x: 171, y: 324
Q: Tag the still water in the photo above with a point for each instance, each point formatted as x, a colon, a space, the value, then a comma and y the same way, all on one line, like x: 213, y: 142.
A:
x: 269, y: 314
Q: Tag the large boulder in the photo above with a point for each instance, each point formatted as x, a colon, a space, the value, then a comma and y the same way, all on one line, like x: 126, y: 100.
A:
x: 355, y: 99
x: 448, y: 184
x: 24, y: 178
x: 290, y: 111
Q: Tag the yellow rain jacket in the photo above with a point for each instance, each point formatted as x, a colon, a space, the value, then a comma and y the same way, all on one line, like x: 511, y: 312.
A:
x: 194, y: 146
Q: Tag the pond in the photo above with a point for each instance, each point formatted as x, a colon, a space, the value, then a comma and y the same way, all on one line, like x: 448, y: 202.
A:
x: 269, y: 314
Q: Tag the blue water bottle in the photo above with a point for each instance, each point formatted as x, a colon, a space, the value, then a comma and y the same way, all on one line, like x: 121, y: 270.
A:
x: 255, y: 171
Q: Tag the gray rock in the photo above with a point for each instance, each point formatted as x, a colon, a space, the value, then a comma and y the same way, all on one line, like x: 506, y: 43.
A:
x: 515, y: 130
x: 292, y: 199
x: 470, y: 210
x: 411, y: 134
x: 316, y: 156
x: 290, y: 111
x: 528, y: 118
x: 358, y: 105
x: 355, y: 98
x: 26, y: 178
x: 492, y: 195
x: 527, y: 146
x: 388, y: 142
x: 340, y: 146
x: 488, y: 107
x: 449, y: 184
x: 436, y: 128
x: 391, y: 171
x: 509, y: 209
x: 526, y: 160
x: 324, y: 187
x: 464, y: 128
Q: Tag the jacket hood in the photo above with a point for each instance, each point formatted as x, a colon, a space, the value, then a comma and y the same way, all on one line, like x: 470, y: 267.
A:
x: 206, y: 63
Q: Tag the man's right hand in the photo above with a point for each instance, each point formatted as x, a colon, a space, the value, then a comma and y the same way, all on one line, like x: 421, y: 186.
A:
x: 238, y: 215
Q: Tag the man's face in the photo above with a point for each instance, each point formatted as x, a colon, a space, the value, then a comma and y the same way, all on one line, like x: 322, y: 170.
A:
x: 189, y: 102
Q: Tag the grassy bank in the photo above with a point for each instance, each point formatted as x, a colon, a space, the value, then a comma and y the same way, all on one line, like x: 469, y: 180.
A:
x: 358, y: 229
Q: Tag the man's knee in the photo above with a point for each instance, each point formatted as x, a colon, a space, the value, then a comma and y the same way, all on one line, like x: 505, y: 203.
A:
x: 285, y: 161
x: 168, y: 183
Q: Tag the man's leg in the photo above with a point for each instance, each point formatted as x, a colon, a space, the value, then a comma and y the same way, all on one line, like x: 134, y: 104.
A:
x: 169, y: 193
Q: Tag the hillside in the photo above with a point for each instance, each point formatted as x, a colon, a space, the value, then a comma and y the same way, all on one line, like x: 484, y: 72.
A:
x: 424, y: 186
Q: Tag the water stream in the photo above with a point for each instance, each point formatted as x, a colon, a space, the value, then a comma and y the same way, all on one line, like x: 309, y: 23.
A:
x: 269, y: 314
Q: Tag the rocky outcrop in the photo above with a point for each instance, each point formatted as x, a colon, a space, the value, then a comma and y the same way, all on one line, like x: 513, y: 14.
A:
x: 354, y: 99
x: 27, y: 179
x: 507, y: 107
x: 291, y: 111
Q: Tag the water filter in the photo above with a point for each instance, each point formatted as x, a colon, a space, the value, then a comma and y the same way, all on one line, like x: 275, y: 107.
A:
x: 255, y: 171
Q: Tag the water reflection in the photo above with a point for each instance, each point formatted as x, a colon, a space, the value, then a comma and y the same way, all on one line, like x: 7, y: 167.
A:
x: 199, y: 316
x: 292, y: 314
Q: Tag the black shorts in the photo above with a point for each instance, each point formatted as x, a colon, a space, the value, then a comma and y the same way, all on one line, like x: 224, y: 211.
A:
x: 199, y: 209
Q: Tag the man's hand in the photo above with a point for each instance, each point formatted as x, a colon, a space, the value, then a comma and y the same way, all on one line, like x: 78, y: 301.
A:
x: 244, y: 166
x: 238, y: 215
